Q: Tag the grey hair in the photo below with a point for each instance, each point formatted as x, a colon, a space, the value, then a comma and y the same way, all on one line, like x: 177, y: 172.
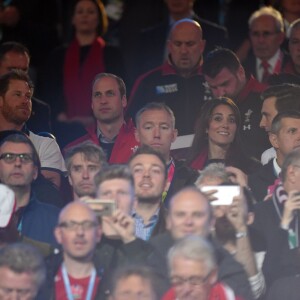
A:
x: 214, y: 170
x: 277, y: 121
x: 293, y: 158
x: 194, y: 248
x: 268, y: 11
x: 24, y: 258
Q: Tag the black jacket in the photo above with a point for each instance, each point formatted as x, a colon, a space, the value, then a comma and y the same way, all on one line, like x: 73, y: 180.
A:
x: 230, y: 271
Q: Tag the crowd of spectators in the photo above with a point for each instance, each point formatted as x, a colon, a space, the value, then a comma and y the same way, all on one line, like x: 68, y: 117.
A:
x: 149, y: 149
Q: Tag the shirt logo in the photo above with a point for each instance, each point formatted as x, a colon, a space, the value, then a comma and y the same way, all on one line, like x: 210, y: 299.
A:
x: 166, y: 89
x: 247, y: 121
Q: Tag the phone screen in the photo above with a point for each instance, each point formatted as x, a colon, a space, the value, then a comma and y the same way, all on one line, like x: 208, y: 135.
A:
x: 224, y: 193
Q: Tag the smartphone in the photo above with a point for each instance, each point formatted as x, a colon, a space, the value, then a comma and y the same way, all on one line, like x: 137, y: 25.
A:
x: 224, y: 193
x: 102, y: 207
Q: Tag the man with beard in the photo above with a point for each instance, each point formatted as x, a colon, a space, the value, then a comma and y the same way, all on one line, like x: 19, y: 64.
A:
x: 16, y: 90
x: 83, y: 162
x: 114, y: 136
x: 150, y: 176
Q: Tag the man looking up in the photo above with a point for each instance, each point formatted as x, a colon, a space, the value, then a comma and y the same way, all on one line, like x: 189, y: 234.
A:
x: 111, y: 132
x: 19, y: 167
x: 155, y: 127
x: 83, y: 162
x: 150, y: 175
x: 179, y: 81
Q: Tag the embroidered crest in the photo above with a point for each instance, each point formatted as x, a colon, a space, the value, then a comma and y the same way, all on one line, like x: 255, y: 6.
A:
x: 247, y: 121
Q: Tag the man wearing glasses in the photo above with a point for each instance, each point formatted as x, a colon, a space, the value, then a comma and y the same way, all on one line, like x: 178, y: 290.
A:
x: 76, y: 272
x: 194, y: 272
x: 266, y: 33
x: 19, y: 167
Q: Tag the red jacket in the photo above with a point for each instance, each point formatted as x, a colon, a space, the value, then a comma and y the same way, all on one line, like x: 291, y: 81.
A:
x: 124, y: 146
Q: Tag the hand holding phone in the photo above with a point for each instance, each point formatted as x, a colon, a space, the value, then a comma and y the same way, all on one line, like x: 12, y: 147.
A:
x: 224, y: 194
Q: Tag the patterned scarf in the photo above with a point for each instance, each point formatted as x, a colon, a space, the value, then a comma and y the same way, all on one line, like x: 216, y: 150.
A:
x: 279, y: 197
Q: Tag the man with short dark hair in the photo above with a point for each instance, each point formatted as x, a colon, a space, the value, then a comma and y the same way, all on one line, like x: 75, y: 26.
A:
x: 83, y: 162
x: 150, y: 176
x: 284, y: 137
x: 16, y: 90
x: 19, y: 167
x: 22, y: 272
x: 15, y: 56
x: 111, y: 132
x: 277, y: 98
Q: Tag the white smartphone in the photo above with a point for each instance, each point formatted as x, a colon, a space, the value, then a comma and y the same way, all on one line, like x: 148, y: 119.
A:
x: 224, y: 193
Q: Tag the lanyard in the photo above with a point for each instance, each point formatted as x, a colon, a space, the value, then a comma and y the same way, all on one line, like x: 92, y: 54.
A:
x: 68, y: 286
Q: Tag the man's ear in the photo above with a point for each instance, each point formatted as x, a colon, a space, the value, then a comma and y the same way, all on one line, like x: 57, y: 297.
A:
x: 175, y: 134
x: 136, y: 135
x: 124, y: 101
x: 213, y: 277
x: 273, y: 140
x: 70, y: 180
x: 57, y: 234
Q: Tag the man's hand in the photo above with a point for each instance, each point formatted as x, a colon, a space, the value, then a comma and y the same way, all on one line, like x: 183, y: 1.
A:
x: 119, y: 225
x: 237, y: 176
x: 237, y: 213
x: 291, y: 205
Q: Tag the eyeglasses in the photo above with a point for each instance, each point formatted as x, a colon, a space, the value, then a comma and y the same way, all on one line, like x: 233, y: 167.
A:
x: 74, y: 226
x: 10, y: 158
x: 193, y: 280
x: 264, y: 34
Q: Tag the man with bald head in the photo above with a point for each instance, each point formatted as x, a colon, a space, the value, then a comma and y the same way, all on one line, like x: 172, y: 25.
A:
x: 179, y: 82
x: 75, y: 273
x: 153, y: 40
x: 190, y: 213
